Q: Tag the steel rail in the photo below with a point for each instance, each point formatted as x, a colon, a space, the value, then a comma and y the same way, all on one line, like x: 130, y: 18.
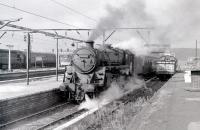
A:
x: 73, y: 115
x: 33, y: 115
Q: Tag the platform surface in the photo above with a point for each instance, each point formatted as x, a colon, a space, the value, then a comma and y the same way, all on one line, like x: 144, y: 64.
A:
x: 172, y: 108
x: 14, y: 90
x: 31, y: 70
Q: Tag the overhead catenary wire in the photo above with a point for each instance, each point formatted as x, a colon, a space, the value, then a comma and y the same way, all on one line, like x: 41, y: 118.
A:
x: 39, y: 31
x: 73, y: 10
x: 44, y: 39
x: 2, y: 34
x: 142, y: 37
x: 19, y: 38
x: 37, y: 15
x: 110, y: 35
x: 80, y: 29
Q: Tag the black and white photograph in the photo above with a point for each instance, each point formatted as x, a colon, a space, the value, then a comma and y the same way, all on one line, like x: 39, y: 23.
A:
x: 99, y: 65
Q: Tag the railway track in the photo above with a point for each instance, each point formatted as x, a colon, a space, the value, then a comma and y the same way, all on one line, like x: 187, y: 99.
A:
x: 63, y: 119
x: 57, y: 115
x: 30, y: 120
x: 124, y: 100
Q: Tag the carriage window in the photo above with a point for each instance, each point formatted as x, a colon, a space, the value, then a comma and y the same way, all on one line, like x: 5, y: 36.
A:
x: 126, y: 56
x: 172, y: 58
x: 18, y: 58
x: 167, y: 58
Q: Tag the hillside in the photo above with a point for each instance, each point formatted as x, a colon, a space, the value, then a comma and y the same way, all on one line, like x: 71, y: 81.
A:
x: 182, y: 54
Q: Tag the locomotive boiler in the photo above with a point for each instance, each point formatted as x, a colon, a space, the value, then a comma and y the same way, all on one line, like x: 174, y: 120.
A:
x: 92, y: 70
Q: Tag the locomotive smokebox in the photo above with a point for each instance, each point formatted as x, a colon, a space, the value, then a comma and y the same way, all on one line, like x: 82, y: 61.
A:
x: 90, y: 44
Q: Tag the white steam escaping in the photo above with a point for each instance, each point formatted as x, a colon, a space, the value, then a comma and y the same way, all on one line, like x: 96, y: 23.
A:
x: 134, y: 45
x: 116, y: 90
x: 112, y: 93
x: 174, y: 22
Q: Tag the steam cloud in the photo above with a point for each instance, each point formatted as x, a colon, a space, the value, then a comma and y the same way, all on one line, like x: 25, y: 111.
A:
x: 174, y: 22
x: 116, y: 90
x: 134, y: 45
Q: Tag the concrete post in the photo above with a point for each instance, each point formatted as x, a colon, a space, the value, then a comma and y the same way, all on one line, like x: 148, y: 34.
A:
x: 9, y: 57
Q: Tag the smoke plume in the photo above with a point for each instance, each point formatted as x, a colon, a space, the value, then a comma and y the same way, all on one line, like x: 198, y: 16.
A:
x: 112, y: 20
x: 173, y: 22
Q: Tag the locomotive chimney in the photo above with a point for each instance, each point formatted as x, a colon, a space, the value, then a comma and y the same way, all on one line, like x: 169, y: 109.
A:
x: 90, y: 44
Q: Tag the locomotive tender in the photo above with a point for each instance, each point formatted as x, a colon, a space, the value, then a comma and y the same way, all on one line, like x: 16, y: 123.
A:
x: 92, y: 70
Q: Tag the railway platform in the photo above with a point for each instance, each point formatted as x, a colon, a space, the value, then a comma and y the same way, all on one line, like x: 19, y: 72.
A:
x: 15, y: 90
x: 21, y: 74
x: 176, y: 106
x: 31, y: 70
x: 18, y: 100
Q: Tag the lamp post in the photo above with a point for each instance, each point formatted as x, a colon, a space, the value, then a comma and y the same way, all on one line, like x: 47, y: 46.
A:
x: 9, y: 57
x: 28, y: 59
x: 56, y: 55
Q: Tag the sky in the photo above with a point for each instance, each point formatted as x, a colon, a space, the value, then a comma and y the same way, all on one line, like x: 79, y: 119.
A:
x: 52, y: 10
x: 171, y: 22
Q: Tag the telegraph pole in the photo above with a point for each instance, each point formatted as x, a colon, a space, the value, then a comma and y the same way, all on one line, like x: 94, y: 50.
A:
x: 28, y: 58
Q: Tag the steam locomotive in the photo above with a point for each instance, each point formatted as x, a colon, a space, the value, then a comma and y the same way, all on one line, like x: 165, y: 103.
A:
x: 91, y: 70
x: 18, y: 59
